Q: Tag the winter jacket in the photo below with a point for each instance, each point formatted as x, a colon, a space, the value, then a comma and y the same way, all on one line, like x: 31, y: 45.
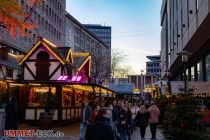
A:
x: 100, y: 130
x: 88, y: 112
x: 124, y: 119
x: 115, y: 113
x: 142, y: 119
x: 154, y: 114
x: 11, y: 121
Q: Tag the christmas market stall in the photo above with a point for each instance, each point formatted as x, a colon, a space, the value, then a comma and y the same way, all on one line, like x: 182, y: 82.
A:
x: 57, y: 80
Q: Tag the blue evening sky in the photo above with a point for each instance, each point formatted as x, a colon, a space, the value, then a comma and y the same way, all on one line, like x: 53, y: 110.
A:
x: 135, y: 25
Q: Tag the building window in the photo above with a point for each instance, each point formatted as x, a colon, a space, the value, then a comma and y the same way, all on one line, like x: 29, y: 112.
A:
x: 37, y: 96
x: 35, y: 16
x: 9, y: 72
x: 50, y: 12
x: 47, y: 10
x: 34, y: 37
x: 197, y: 5
x: 43, y: 5
x: 46, y: 23
x: 49, y: 27
x: 208, y: 67
x: 22, y: 4
x: 27, y: 9
x: 199, y: 71
x: 60, y: 22
x: 39, y: 19
x: 192, y: 71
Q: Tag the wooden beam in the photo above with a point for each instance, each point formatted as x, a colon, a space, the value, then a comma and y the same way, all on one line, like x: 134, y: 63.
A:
x: 2, y: 72
x: 35, y: 60
x: 56, y: 69
x: 33, y: 75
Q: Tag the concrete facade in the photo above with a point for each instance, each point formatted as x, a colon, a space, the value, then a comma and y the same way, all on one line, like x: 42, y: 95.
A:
x: 81, y: 39
x: 153, y: 65
x: 102, y: 32
x: 140, y: 81
x: 49, y: 16
x: 185, y: 27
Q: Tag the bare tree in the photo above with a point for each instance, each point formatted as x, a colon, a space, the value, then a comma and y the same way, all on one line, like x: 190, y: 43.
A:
x: 123, y: 71
x: 101, y: 64
x: 118, y: 57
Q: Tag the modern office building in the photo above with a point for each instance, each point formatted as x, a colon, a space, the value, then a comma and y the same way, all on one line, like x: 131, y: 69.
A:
x: 185, y: 27
x: 80, y: 39
x: 153, y: 65
x: 102, y: 32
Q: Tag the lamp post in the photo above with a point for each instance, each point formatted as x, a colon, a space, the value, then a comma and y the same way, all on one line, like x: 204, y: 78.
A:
x: 184, y: 60
x: 184, y: 55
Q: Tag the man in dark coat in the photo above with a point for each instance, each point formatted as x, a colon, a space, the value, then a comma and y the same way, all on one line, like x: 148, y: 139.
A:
x: 11, y: 110
x: 101, y: 129
x: 86, y: 113
x: 115, y: 112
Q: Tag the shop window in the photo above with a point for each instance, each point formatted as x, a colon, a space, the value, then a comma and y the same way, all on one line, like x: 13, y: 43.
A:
x: 192, y: 73
x: 67, y: 97
x: 39, y: 96
x: 208, y: 67
x: 9, y: 72
x: 199, y: 71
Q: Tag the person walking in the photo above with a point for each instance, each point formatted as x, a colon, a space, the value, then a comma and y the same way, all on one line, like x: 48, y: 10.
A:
x: 142, y: 120
x: 86, y: 113
x: 153, y: 119
x: 134, y: 110
x: 101, y: 129
x: 11, y: 110
x: 115, y: 112
x: 94, y: 113
x: 124, y: 123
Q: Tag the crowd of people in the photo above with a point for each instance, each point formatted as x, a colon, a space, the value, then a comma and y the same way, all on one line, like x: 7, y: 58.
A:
x: 117, y: 120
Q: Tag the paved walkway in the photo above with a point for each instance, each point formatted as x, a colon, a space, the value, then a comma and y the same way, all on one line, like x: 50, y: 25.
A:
x: 71, y: 132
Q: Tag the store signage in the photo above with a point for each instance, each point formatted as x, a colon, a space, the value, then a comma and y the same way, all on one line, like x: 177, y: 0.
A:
x: 76, y: 78
x: 62, y: 78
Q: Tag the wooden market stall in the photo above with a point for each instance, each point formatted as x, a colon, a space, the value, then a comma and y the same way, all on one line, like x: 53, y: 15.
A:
x: 54, y: 78
x: 66, y: 98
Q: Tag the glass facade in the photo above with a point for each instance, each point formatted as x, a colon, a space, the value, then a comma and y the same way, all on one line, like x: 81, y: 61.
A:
x: 37, y: 96
x: 207, y: 66
x: 199, y: 78
x: 192, y: 71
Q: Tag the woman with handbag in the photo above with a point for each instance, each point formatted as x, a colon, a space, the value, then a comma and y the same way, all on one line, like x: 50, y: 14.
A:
x: 142, y: 120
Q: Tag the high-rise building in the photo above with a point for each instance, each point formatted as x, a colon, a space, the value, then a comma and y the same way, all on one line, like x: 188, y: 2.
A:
x: 153, y: 65
x: 80, y: 39
x: 102, y: 32
x: 185, y: 27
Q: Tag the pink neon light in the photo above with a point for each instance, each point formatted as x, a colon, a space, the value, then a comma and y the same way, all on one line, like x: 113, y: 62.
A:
x: 79, y: 78
x: 60, y: 77
x: 64, y: 77
x: 74, y: 78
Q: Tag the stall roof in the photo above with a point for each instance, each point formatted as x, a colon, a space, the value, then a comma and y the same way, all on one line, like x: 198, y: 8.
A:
x: 122, y: 88
x: 80, y: 86
x: 10, y: 62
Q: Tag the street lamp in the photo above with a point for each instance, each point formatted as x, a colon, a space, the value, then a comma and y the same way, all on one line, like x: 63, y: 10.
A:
x: 184, y: 55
